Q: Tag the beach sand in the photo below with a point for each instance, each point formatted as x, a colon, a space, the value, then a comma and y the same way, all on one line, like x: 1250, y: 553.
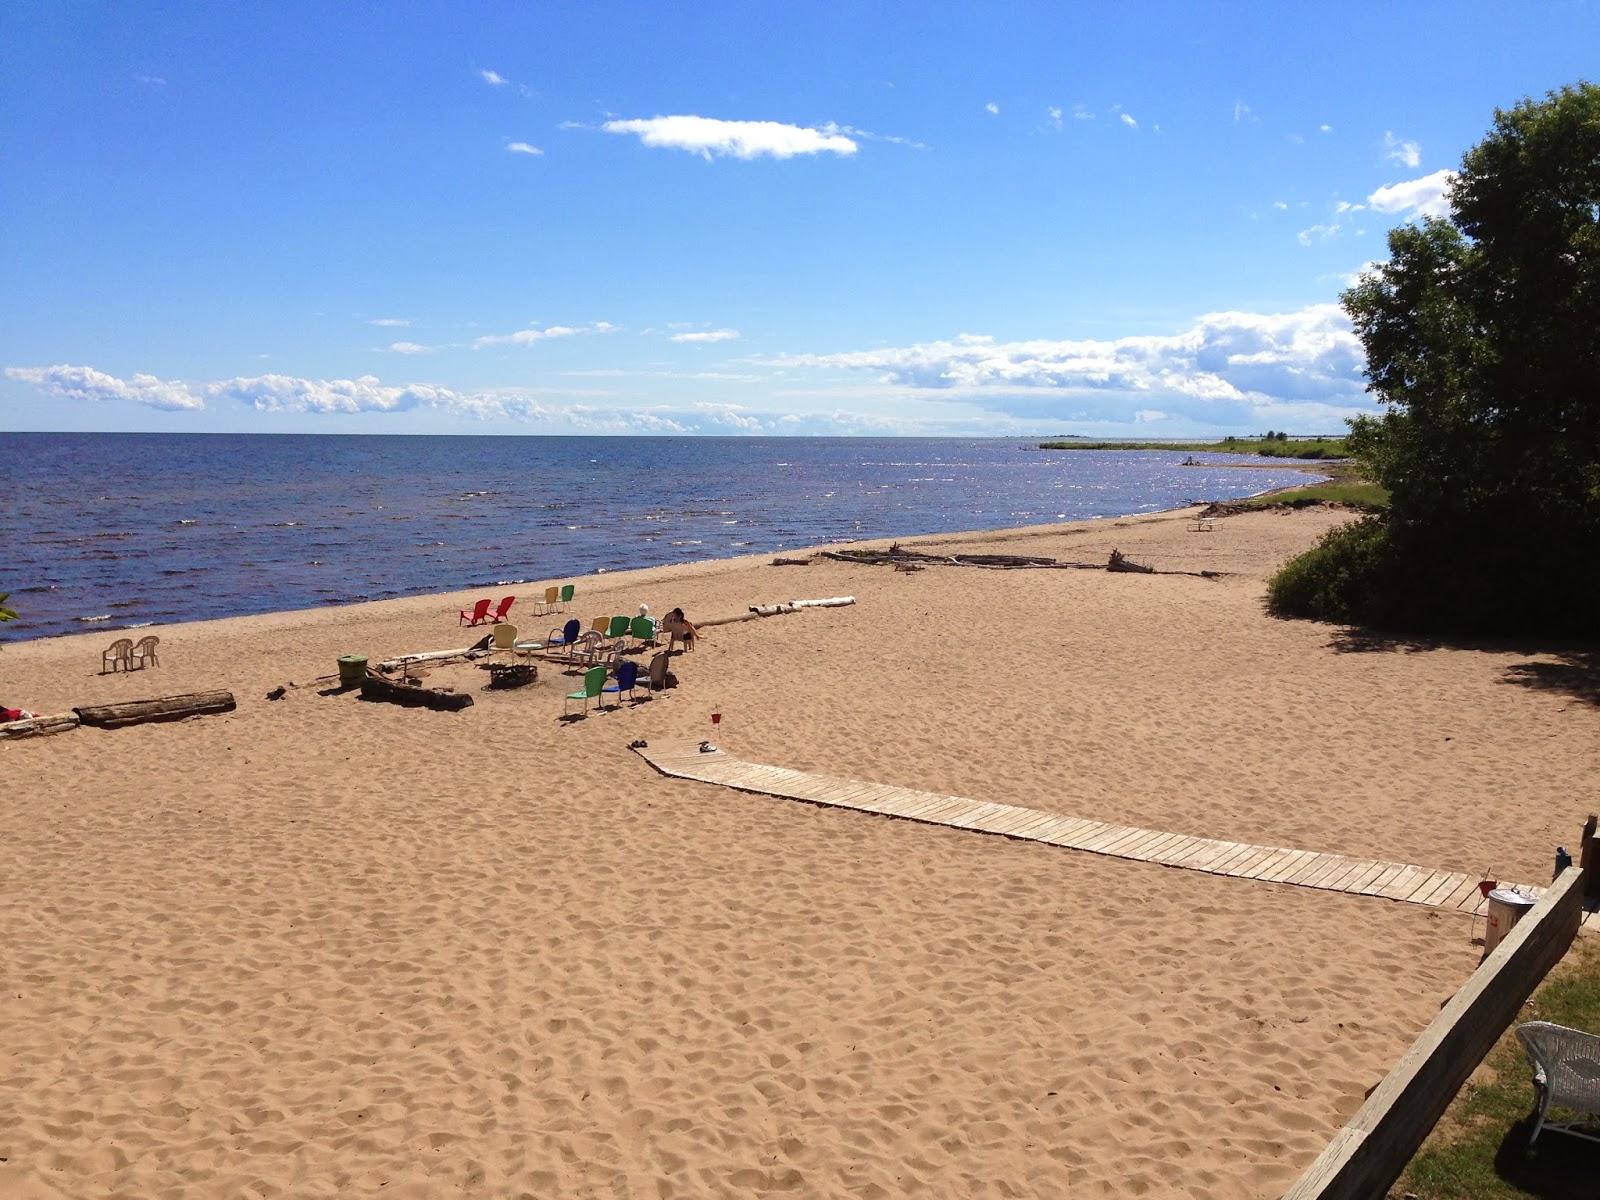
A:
x: 321, y: 947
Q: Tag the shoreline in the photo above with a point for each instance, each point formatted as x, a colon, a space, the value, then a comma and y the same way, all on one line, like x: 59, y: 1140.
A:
x: 691, y: 568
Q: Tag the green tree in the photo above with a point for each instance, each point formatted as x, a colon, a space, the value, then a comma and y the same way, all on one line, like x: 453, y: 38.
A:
x: 1482, y: 335
x: 6, y: 614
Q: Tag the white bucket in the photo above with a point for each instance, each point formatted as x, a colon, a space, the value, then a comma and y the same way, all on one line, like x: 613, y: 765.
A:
x: 1506, y: 908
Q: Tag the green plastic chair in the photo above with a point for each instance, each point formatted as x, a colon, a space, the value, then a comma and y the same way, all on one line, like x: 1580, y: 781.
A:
x: 643, y: 630
x: 567, y: 591
x: 594, y: 680
x: 619, y: 627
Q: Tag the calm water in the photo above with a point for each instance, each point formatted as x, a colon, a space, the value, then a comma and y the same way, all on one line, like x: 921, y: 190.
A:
x: 114, y: 530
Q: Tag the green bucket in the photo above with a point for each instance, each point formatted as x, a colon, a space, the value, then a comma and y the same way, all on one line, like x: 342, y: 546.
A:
x: 352, y: 667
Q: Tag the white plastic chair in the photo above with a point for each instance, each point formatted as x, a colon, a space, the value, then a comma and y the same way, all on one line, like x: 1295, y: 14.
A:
x: 1566, y: 1073
x: 144, y: 653
x: 119, y: 654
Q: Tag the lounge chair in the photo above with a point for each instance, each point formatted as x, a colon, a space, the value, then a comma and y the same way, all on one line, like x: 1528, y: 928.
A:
x: 119, y: 652
x: 505, y: 607
x: 144, y: 653
x: 627, y: 673
x: 594, y: 679
x: 479, y: 613
x: 564, y: 638
x: 568, y: 590
x: 1566, y: 1073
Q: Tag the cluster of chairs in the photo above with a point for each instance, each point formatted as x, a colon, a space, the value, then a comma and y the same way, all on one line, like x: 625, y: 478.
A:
x: 127, y: 655
x: 555, y: 599
x: 625, y: 679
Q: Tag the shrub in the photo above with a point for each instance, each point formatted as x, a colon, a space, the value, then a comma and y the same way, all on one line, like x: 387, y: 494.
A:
x: 1338, y: 579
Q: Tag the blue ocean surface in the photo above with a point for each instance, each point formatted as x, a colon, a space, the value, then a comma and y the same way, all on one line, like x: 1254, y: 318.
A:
x: 120, y: 530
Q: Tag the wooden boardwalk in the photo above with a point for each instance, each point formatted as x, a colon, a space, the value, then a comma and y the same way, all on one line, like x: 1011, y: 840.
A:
x: 1446, y: 890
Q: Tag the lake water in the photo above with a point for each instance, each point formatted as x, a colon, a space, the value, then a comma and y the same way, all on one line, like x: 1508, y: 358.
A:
x: 117, y: 530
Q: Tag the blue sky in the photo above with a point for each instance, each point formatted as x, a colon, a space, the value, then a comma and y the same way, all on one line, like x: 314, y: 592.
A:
x: 724, y: 218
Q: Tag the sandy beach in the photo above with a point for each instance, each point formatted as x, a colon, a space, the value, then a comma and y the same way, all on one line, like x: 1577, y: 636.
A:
x: 320, y: 947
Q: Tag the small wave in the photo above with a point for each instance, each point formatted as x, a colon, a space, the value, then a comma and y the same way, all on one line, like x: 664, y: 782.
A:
x: 283, y: 524
x: 93, y: 620
x: 189, y: 521
x: 687, y: 542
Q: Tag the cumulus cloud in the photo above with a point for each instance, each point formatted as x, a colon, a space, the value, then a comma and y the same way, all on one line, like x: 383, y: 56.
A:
x: 86, y: 383
x: 992, y: 109
x: 707, y: 335
x: 523, y: 148
x: 1127, y: 119
x: 1399, y: 150
x: 1081, y: 112
x: 1053, y: 112
x: 1241, y: 110
x: 527, y: 337
x: 1317, y: 233
x: 409, y: 348
x: 711, y: 137
x: 1428, y: 196
x: 493, y: 78
x: 1226, y: 368
x: 1325, y: 128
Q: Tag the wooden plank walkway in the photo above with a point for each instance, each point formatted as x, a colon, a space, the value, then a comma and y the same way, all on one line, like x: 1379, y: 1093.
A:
x: 1450, y: 891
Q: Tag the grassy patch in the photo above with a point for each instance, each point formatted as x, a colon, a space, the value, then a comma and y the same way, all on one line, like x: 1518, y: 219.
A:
x: 1479, y: 1151
x: 1355, y: 493
x: 1307, y: 448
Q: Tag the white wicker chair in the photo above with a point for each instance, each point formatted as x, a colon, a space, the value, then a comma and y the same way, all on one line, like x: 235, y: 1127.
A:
x: 1566, y: 1073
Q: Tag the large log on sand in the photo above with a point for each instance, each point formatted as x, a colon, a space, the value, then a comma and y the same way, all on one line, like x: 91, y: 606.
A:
x: 164, y: 708
x: 391, y: 691
x: 39, y: 726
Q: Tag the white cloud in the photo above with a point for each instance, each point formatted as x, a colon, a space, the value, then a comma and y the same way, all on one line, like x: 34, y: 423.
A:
x: 992, y: 109
x: 711, y: 137
x: 523, y: 148
x: 150, y: 80
x: 830, y: 128
x: 1398, y: 150
x: 1317, y: 233
x: 1428, y: 196
x: 707, y: 335
x: 1241, y: 110
x: 1081, y: 112
x: 409, y: 348
x: 493, y: 78
x: 527, y: 337
x: 1223, y: 370
x: 390, y: 322
x: 1325, y: 128
x: 1127, y: 119
x: 86, y: 383
x: 1053, y: 112
x: 1280, y: 205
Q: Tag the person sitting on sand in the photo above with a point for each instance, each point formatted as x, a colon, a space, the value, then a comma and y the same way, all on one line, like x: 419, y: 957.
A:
x: 677, y: 625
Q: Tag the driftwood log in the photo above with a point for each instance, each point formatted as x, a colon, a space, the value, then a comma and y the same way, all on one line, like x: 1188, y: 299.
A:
x: 376, y: 687
x: 405, y: 660
x: 903, y: 559
x: 791, y: 562
x: 164, y: 708
x: 757, y: 611
x: 39, y: 726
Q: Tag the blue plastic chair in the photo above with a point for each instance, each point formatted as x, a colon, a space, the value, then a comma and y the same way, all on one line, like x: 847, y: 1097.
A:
x: 627, y: 677
x: 567, y: 636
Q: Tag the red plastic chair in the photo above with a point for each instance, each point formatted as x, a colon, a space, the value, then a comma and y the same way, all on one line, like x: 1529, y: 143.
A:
x: 505, y: 607
x: 479, y: 613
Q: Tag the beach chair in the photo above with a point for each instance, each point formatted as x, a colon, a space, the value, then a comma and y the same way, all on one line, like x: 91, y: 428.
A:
x: 627, y: 676
x: 566, y: 637
x: 593, y: 648
x: 1566, y: 1073
x: 643, y: 630
x: 618, y: 630
x: 568, y: 590
x: 505, y: 607
x: 144, y: 653
x: 656, y: 678
x: 120, y: 653
x: 552, y: 597
x: 479, y: 613
x: 594, y: 679
x: 504, y: 638
x: 600, y: 625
